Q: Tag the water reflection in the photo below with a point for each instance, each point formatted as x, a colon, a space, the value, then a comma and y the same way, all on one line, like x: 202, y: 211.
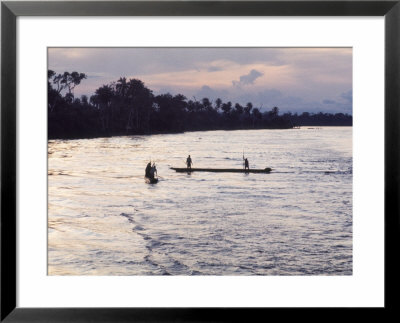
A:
x: 104, y: 219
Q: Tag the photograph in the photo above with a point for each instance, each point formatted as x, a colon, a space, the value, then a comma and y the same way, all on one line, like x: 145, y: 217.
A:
x: 199, y: 161
x: 194, y: 160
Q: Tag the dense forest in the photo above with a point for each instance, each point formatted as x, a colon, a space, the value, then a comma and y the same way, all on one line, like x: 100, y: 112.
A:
x: 128, y: 107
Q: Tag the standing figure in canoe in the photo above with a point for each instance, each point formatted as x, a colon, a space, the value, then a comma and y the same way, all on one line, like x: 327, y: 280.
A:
x: 246, y: 164
x: 189, y: 162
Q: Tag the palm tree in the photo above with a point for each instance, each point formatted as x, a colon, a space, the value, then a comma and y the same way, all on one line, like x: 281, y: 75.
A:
x: 248, y: 108
x: 238, y: 109
x: 103, y: 97
x: 121, y: 87
x: 226, y: 107
x: 274, y: 112
x: 140, y: 101
x: 218, y: 103
x: 206, y: 104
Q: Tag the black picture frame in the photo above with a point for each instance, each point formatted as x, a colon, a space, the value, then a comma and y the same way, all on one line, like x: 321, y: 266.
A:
x: 10, y: 10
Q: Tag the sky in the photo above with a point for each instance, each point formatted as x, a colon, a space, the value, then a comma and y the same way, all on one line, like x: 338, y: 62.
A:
x: 293, y: 79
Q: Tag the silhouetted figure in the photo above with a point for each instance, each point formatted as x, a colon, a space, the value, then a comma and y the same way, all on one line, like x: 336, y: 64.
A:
x: 153, y: 170
x: 246, y: 164
x: 189, y: 162
x: 148, y: 168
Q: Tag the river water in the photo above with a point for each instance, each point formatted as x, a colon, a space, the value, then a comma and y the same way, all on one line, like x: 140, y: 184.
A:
x: 103, y: 219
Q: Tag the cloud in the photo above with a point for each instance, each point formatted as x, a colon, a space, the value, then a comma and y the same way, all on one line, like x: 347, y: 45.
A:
x: 268, y: 98
x: 347, y: 96
x: 298, y: 78
x: 214, y: 69
x: 94, y: 75
x: 248, y: 78
x: 213, y: 94
x: 327, y: 101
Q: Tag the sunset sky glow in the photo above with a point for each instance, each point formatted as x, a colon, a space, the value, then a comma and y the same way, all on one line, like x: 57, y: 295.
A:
x: 293, y: 79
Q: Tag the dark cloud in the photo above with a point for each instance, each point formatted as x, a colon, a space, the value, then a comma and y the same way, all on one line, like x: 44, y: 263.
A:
x: 327, y: 101
x: 214, y: 69
x: 91, y: 75
x: 248, y: 78
x: 347, y: 96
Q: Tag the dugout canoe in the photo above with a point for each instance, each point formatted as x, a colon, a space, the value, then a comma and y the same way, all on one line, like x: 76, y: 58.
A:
x: 222, y: 170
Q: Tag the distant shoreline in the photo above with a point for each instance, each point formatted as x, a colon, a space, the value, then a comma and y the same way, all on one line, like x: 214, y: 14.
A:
x: 128, y: 107
x: 187, y: 131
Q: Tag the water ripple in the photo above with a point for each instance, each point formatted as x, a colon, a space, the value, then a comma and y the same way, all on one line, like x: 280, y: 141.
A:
x: 105, y: 220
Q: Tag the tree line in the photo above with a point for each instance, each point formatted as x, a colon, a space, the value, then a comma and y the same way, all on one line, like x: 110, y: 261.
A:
x: 128, y: 107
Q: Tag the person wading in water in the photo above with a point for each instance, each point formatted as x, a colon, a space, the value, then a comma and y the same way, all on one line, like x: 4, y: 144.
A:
x: 148, y: 168
x: 153, y: 170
